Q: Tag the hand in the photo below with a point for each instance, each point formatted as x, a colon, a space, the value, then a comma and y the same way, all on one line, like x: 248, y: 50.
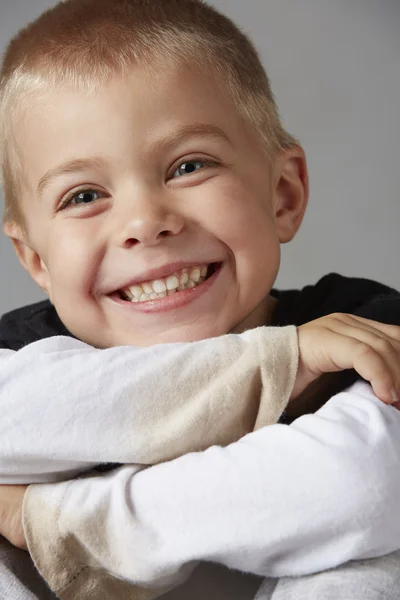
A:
x: 341, y: 341
x: 11, y: 499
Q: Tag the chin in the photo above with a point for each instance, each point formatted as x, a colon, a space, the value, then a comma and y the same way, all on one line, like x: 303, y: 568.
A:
x: 184, y: 335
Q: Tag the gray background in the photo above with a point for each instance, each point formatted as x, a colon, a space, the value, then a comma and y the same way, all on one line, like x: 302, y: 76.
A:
x: 335, y: 70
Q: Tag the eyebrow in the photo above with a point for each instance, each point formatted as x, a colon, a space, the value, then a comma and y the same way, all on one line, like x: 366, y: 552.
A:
x: 87, y: 164
x: 195, y: 129
x: 71, y: 166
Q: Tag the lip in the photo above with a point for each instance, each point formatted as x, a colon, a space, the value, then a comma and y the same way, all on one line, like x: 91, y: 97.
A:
x: 177, y: 300
x: 164, y: 271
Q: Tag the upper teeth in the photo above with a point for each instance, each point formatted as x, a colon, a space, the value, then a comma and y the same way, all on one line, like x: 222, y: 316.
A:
x: 159, y: 288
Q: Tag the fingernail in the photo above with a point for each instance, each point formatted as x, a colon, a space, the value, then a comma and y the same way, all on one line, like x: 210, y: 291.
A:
x: 394, y: 395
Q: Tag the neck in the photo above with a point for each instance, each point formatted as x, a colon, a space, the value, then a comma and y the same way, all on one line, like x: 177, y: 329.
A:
x: 261, y: 315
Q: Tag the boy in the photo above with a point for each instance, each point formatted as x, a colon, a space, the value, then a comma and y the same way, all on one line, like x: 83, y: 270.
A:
x: 82, y: 256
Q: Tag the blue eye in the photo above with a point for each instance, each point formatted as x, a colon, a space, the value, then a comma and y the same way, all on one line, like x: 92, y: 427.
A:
x: 85, y: 197
x: 81, y: 198
x: 189, y: 167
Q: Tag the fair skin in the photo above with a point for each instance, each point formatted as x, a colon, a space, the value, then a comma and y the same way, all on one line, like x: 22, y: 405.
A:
x: 233, y: 208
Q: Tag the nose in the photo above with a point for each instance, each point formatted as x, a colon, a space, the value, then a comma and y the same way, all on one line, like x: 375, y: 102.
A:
x: 148, y: 221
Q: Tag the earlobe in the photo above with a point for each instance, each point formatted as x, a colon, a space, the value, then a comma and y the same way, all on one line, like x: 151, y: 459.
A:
x: 291, y: 191
x: 28, y: 257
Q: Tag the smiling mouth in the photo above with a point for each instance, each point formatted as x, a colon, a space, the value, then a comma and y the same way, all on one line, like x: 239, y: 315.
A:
x: 185, y: 279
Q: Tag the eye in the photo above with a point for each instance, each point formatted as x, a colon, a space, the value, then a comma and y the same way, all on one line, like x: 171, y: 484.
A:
x: 82, y: 197
x: 190, y: 166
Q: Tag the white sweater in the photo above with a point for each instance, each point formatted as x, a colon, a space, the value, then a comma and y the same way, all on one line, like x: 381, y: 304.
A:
x: 66, y: 407
x: 284, y: 500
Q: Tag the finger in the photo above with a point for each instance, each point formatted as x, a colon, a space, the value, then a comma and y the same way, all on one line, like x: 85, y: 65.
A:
x: 389, y: 352
x: 351, y: 353
x: 387, y: 348
x: 364, y: 330
x: 391, y: 331
x: 374, y: 368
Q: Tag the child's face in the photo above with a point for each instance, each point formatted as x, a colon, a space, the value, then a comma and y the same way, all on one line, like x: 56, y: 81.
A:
x: 163, y: 175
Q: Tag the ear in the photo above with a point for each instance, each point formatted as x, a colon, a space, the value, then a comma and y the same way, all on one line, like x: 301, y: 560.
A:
x: 28, y: 256
x: 291, y: 192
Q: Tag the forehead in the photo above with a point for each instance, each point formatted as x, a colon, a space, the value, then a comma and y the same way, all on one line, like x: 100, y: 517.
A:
x: 133, y: 111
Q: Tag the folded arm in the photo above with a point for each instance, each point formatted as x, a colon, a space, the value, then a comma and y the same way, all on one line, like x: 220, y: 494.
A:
x: 66, y: 406
x: 285, y: 500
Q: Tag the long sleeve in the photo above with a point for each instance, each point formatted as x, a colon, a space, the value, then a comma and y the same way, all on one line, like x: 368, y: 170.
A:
x: 284, y: 500
x: 66, y: 407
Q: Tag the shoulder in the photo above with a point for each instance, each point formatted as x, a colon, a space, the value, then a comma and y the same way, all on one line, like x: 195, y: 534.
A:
x: 29, y: 324
x: 333, y: 293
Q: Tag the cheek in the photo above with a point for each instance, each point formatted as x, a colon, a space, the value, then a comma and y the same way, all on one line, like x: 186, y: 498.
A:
x: 73, y: 259
x: 257, y: 262
x: 243, y: 220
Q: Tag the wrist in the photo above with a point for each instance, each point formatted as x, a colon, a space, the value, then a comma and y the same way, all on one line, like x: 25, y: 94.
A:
x: 11, y: 503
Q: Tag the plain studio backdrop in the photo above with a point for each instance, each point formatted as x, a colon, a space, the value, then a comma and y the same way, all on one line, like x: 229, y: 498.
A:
x: 335, y: 71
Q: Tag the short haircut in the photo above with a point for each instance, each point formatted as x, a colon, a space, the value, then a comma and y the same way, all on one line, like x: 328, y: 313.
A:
x: 85, y: 42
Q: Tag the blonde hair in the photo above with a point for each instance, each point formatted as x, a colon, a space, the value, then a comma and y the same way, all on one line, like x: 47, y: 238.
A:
x: 85, y: 42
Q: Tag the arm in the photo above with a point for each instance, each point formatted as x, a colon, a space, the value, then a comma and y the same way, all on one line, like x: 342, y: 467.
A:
x: 67, y: 407
x: 283, y: 501
x: 153, y: 404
